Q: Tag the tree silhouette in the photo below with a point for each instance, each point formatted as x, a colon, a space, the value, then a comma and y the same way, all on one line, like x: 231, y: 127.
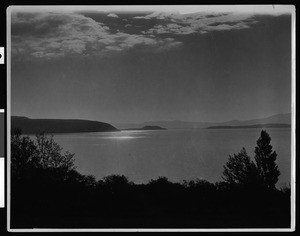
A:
x: 240, y: 169
x: 23, y: 153
x: 50, y: 156
x: 44, y: 153
x: 161, y: 180
x: 119, y: 180
x: 265, y: 159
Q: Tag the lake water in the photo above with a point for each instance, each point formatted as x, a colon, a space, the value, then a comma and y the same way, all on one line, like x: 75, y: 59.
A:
x: 176, y: 154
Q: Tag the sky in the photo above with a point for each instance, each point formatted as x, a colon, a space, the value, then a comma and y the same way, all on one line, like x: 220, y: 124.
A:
x: 134, y: 64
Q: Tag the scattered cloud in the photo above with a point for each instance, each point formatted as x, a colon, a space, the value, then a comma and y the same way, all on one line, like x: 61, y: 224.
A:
x: 198, y: 22
x: 113, y: 15
x: 57, y: 34
x: 167, y: 44
x: 170, y: 29
x: 52, y: 35
x: 159, y: 15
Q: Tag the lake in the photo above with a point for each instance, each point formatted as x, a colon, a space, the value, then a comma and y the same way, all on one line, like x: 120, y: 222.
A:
x: 176, y: 154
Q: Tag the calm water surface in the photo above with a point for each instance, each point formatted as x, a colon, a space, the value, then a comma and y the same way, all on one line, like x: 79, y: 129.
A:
x: 176, y: 154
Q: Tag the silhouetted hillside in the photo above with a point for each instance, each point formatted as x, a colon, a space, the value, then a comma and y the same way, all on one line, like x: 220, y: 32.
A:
x: 34, y: 126
x: 251, y: 126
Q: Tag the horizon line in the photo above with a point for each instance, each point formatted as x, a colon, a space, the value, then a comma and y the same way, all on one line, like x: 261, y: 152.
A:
x: 138, y: 123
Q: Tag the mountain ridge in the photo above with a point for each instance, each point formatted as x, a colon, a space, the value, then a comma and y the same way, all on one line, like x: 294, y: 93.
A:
x: 275, y: 125
x: 32, y: 126
x: 284, y: 118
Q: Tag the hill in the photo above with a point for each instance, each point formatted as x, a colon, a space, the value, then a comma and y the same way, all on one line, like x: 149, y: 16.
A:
x: 177, y: 124
x: 251, y: 126
x: 276, y: 119
x: 148, y: 127
x: 34, y: 126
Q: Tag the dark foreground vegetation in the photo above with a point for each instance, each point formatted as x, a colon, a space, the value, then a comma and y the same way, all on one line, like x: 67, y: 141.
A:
x: 48, y: 192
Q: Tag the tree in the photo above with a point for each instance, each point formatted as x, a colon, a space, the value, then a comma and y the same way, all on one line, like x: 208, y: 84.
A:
x: 23, y: 153
x: 50, y: 156
x: 240, y: 170
x: 160, y: 181
x: 265, y: 159
x: 44, y: 153
x: 198, y: 183
x: 118, y: 181
x: 115, y: 184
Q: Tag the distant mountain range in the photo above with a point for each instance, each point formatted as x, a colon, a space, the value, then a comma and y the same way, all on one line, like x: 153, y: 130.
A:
x: 34, y: 126
x: 251, y: 126
x: 177, y: 124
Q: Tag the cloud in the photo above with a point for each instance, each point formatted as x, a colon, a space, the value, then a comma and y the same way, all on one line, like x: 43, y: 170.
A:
x: 170, y: 29
x: 221, y: 27
x: 113, y: 15
x: 167, y: 44
x: 159, y: 15
x: 52, y: 35
x: 184, y: 24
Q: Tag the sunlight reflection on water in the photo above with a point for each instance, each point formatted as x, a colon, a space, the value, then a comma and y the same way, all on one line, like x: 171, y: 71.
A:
x: 123, y: 135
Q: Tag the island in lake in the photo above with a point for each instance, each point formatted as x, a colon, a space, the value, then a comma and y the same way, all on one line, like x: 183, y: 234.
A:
x: 148, y: 127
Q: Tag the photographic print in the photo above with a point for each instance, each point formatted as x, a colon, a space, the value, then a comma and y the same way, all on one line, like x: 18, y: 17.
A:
x: 151, y: 117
